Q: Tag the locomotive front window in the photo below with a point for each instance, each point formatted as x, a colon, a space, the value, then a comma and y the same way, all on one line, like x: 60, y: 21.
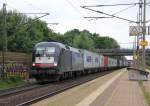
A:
x: 50, y: 50
x: 40, y: 51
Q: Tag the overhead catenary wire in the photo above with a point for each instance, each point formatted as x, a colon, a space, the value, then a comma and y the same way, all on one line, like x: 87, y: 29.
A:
x: 123, y: 9
x: 114, y: 13
x: 18, y: 26
x: 35, y: 19
x: 77, y: 10
x: 98, y: 17
x: 24, y: 12
x: 22, y: 24
x: 112, y: 5
x: 125, y: 4
x: 88, y: 19
x: 69, y: 2
x: 109, y: 14
x: 33, y: 6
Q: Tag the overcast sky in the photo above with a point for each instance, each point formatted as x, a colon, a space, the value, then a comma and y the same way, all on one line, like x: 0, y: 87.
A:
x: 69, y: 15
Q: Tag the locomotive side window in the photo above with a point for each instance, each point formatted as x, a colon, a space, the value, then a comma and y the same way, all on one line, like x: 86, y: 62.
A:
x: 89, y: 59
x: 96, y: 60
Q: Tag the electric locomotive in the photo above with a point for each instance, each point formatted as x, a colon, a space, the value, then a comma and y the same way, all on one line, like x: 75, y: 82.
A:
x: 52, y: 61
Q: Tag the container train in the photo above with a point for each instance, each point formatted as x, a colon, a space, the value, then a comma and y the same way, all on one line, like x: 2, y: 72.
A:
x: 52, y: 61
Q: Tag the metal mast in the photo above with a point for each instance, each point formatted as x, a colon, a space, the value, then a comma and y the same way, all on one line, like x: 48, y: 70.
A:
x: 139, y: 24
x: 4, y: 40
x: 144, y: 33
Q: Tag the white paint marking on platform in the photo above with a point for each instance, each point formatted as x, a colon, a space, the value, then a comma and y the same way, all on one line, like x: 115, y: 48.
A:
x: 89, y: 99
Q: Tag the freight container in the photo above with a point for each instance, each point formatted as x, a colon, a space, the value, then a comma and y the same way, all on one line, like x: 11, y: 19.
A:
x: 105, y: 61
x: 101, y: 61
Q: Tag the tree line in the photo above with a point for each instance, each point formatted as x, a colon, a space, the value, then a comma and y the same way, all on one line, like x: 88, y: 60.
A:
x: 24, y: 32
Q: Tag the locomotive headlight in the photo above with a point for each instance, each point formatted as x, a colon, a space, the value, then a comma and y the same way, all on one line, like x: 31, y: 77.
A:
x: 55, y: 64
x: 33, y: 64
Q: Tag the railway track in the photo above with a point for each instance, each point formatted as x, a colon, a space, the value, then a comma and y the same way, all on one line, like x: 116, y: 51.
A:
x: 15, y: 90
x: 35, y: 94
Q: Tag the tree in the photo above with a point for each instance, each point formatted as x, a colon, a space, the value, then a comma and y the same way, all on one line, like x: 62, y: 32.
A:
x: 105, y: 43
x: 22, y: 32
x: 83, y: 41
x: 69, y: 36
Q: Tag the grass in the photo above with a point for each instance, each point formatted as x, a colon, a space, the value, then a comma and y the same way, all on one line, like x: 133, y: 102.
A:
x: 6, y: 83
x: 149, y: 68
x: 146, y: 93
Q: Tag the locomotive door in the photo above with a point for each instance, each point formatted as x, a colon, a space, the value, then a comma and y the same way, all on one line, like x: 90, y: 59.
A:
x: 65, y: 60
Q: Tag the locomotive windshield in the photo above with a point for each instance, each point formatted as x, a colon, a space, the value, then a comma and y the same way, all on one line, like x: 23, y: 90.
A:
x: 44, y: 51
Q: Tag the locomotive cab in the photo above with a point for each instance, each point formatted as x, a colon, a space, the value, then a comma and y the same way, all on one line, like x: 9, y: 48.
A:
x: 45, y: 57
x: 45, y: 61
